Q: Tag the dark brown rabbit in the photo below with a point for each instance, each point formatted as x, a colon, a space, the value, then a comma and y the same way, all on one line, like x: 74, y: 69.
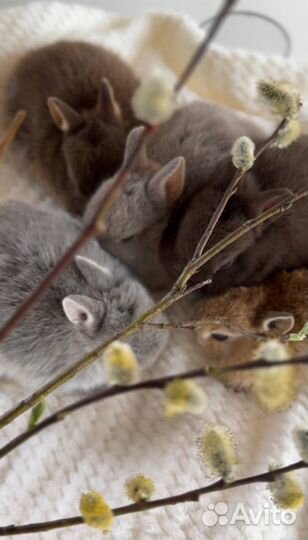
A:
x: 77, y: 97
x: 273, y: 308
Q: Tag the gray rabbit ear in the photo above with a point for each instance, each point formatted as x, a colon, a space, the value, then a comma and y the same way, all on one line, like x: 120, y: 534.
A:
x: 107, y: 106
x: 65, y: 118
x: 134, y: 138
x: 93, y: 273
x: 167, y: 184
x: 82, y: 311
x: 278, y: 322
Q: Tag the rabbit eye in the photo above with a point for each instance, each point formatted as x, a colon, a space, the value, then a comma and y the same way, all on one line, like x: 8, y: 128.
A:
x: 219, y: 337
x: 131, y: 310
x: 127, y: 238
x: 226, y: 265
x: 129, y: 190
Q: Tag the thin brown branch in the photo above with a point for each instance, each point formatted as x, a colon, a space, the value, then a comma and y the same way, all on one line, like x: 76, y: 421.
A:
x: 11, y: 133
x: 194, y: 266
x: 151, y: 384
x: 177, y: 292
x: 188, y: 496
x: 195, y: 287
x: 230, y: 191
x: 194, y: 325
x: 58, y: 416
x: 205, y: 43
x: 272, y: 138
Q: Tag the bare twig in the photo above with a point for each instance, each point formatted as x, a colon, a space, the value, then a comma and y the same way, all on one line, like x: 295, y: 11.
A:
x: 177, y: 292
x: 230, y: 191
x: 194, y: 266
x: 12, y: 132
x: 151, y: 384
x: 194, y: 325
x: 188, y: 496
x: 203, y: 47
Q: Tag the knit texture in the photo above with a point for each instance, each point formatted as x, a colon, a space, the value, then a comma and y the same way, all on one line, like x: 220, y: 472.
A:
x: 101, y: 446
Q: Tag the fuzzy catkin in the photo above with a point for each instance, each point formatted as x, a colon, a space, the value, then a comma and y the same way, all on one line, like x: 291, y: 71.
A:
x: 281, y: 97
x: 242, y: 153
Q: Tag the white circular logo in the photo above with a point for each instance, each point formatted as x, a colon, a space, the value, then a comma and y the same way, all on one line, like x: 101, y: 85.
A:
x: 215, y: 514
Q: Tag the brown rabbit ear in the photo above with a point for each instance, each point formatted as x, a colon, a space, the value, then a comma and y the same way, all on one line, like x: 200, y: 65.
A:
x: 133, y: 140
x: 107, y: 106
x: 278, y: 322
x: 266, y: 199
x: 65, y: 118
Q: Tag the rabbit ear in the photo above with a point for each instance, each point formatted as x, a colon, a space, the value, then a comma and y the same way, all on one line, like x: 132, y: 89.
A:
x: 93, y: 273
x: 278, y: 322
x: 65, y: 118
x: 107, y: 106
x: 266, y: 199
x: 167, y: 184
x: 141, y: 163
x: 82, y: 311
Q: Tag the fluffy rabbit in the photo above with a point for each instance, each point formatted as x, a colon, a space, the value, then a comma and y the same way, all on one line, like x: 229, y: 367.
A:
x: 93, y: 299
x: 272, y: 308
x: 77, y: 97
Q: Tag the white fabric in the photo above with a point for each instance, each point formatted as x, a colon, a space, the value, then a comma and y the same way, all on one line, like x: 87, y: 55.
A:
x: 99, y: 447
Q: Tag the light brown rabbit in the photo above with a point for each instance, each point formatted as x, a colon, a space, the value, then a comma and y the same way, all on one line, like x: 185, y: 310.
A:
x: 77, y: 97
x: 272, y: 309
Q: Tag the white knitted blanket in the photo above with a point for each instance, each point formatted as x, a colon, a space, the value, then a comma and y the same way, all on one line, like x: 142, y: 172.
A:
x: 101, y: 446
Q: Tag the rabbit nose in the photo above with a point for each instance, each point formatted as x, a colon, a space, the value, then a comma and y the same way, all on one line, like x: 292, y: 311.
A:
x: 219, y: 337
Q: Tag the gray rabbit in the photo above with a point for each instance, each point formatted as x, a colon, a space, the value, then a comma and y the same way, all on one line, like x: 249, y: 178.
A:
x: 77, y: 97
x: 93, y: 299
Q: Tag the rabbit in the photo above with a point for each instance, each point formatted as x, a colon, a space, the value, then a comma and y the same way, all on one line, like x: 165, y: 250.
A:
x: 93, y: 299
x: 77, y: 98
x: 271, y: 309
x: 157, y: 221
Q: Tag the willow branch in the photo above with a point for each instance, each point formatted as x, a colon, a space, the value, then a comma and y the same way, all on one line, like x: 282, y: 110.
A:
x: 194, y: 266
x: 188, y: 496
x: 204, y: 46
x: 194, y: 325
x: 151, y: 384
x: 58, y: 416
x: 11, y: 133
x: 177, y: 292
x: 230, y: 191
